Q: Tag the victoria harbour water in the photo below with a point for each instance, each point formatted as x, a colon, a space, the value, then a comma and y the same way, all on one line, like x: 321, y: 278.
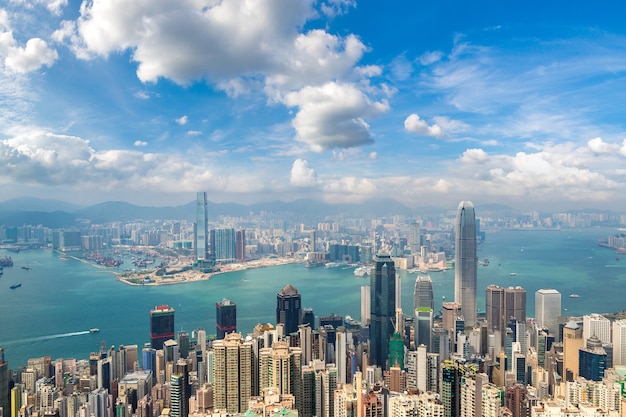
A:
x: 59, y: 301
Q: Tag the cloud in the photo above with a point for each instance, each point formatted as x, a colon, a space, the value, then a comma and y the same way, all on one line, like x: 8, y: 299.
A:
x: 182, y: 120
x: 140, y: 143
x: 414, y: 124
x: 194, y: 133
x: 332, y: 116
x: 474, y: 156
x: 35, y: 55
x: 332, y: 8
x: 428, y: 58
x: 302, y: 175
x: 401, y: 68
x: 25, y: 59
x: 54, y: 6
x: 598, y: 146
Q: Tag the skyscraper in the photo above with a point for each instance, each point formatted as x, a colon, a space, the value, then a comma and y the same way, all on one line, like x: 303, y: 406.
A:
x: 423, y: 293
x: 414, y: 238
x: 240, y: 245
x: 225, y: 245
x: 288, y: 308
x: 225, y: 317
x: 548, y: 308
x: 234, y: 359
x: 383, y: 308
x: 465, y: 261
x: 161, y: 325
x: 4, y: 385
x: 201, y: 227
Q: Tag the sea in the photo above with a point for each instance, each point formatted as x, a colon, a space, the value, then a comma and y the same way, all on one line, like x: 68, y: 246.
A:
x: 60, y: 300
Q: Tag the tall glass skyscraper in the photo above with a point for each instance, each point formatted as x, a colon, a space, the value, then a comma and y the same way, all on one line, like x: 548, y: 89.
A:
x: 548, y: 308
x: 465, y: 261
x: 161, y: 325
x: 423, y: 293
x: 383, y: 308
x: 225, y: 318
x: 201, y: 227
x: 225, y: 245
x: 288, y: 308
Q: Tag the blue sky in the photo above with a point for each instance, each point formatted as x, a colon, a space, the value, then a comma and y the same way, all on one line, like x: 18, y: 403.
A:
x: 149, y: 101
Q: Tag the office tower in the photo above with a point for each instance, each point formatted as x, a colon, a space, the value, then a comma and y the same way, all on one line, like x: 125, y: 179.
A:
x: 465, y: 261
x: 547, y: 309
x: 451, y: 381
x: 619, y: 342
x: 313, y: 239
x: 597, y: 325
x: 234, y: 361
x: 592, y: 360
x: 383, y: 308
x: 572, y: 342
x: 423, y: 293
x: 449, y: 312
x: 305, y: 334
x: 514, y: 304
x: 225, y: 245
x: 161, y: 325
x: 201, y: 227
x: 288, y: 309
x: 4, y: 385
x: 308, y: 317
x: 201, y: 340
x: 414, y: 238
x: 240, y: 245
x: 423, y: 326
x: 180, y: 390
x: 148, y: 361
x: 493, y: 307
x: 16, y: 400
x: 365, y: 305
x: 183, y: 344
x: 225, y: 317
x: 341, y: 355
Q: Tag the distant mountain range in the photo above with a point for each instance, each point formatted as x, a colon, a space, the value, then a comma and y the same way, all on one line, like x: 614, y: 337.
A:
x: 57, y: 214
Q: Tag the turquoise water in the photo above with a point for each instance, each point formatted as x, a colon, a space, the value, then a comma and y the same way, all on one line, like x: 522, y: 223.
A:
x: 59, y: 301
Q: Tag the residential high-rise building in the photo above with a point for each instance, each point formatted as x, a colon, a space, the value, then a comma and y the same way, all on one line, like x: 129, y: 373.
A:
x: 233, y: 367
x: 547, y: 309
x: 225, y: 245
x: 288, y: 308
x: 161, y: 325
x: 383, y: 308
x: 201, y: 227
x: 280, y: 368
x: 240, y: 245
x: 423, y: 293
x: 465, y: 274
x: 225, y: 317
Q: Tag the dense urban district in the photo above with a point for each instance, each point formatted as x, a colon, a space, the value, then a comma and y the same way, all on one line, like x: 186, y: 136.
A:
x: 457, y: 361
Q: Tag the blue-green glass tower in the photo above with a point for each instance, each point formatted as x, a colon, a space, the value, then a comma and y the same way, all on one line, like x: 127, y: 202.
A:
x: 383, y: 308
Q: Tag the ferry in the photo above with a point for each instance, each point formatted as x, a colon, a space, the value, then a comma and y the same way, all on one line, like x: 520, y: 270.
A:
x: 362, y: 271
x: 574, y: 296
x: 94, y: 330
x: 513, y: 274
x: 15, y: 286
x: 26, y: 267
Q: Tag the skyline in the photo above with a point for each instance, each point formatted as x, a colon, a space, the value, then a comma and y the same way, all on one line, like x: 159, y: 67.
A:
x: 150, y: 102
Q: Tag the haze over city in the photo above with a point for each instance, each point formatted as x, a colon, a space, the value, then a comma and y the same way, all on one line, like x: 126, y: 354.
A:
x: 149, y: 101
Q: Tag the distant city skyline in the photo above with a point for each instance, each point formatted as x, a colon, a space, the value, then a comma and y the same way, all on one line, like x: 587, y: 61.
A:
x: 448, y: 102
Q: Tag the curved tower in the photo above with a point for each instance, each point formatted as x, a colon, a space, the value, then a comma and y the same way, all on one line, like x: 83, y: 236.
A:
x: 465, y: 261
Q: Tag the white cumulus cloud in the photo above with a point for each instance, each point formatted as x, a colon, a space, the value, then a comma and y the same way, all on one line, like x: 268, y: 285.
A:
x: 302, y: 175
x: 414, y: 124
x: 333, y: 116
x: 182, y: 120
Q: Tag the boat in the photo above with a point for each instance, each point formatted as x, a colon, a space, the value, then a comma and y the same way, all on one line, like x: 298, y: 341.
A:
x: 94, y: 330
x: 513, y: 274
x: 64, y: 259
x: 6, y: 261
x: 331, y: 265
x: 574, y: 296
x: 15, y: 286
x: 26, y: 267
